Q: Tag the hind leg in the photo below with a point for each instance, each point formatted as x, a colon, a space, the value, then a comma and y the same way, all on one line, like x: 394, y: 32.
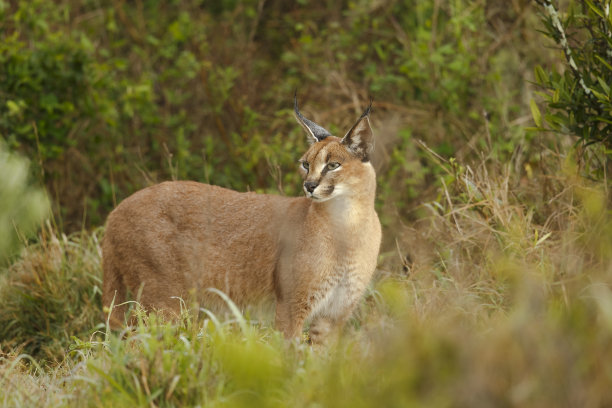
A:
x: 113, y: 299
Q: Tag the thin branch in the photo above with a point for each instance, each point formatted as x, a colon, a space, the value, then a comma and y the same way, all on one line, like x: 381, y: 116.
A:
x: 552, y: 12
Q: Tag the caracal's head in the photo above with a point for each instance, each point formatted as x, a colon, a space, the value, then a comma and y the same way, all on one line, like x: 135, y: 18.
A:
x: 335, y: 167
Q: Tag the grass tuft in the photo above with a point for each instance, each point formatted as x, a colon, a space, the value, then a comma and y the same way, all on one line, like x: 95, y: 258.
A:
x: 52, y: 293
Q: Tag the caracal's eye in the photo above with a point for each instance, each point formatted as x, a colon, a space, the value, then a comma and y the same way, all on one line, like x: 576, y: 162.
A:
x: 333, y: 165
x: 305, y: 165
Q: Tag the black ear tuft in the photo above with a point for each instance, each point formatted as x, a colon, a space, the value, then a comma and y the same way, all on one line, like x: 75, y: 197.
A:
x: 359, y: 139
x: 367, y: 111
x: 317, y: 132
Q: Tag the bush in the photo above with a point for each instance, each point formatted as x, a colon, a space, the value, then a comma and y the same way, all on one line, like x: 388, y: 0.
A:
x: 579, y: 99
x: 112, y: 98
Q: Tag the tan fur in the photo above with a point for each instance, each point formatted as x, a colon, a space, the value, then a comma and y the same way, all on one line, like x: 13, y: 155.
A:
x: 314, y: 256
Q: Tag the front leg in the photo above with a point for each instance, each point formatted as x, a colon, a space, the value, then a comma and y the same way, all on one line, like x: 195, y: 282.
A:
x: 297, y: 305
x: 290, y: 317
x: 332, y: 318
x: 296, y: 300
x: 283, y: 319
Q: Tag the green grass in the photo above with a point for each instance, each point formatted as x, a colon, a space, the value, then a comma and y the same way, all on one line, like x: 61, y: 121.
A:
x: 497, y: 309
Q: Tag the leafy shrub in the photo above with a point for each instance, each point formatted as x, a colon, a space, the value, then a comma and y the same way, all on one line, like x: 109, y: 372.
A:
x: 47, y: 95
x: 112, y: 98
x: 579, y: 99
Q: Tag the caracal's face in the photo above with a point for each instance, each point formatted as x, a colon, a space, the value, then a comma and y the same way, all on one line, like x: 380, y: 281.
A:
x: 329, y: 170
x: 334, y: 167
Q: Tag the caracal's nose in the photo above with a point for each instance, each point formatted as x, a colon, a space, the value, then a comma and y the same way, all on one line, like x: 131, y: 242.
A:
x: 310, y: 186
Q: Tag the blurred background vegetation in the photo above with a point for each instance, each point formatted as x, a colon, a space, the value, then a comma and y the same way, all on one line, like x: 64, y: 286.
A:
x: 492, y: 121
x: 109, y: 97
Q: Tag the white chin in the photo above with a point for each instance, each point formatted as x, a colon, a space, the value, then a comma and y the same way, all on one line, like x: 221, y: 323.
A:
x: 320, y: 199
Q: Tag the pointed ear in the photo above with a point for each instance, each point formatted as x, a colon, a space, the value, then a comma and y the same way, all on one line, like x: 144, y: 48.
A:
x: 359, y: 140
x: 316, y: 132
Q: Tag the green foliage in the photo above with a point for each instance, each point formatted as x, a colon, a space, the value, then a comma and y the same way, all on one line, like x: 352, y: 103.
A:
x: 23, y: 205
x: 48, y: 95
x: 111, y: 98
x: 579, y: 98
